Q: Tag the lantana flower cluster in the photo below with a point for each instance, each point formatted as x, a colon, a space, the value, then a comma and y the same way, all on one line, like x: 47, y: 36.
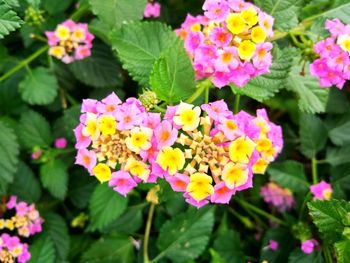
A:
x: 277, y: 196
x: 207, y: 152
x: 70, y: 41
x: 229, y: 43
x: 24, y: 221
x: 333, y: 65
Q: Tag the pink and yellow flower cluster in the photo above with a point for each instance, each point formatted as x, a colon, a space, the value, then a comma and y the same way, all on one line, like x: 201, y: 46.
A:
x: 70, y: 41
x: 333, y: 65
x: 229, y: 43
x: 207, y: 152
x: 12, y: 250
x: 277, y: 196
x: 26, y: 221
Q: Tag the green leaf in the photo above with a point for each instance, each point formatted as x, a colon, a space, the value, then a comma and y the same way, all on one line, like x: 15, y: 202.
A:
x: 99, y: 70
x: 12, y: 3
x: 186, y: 235
x: 9, y: 21
x: 39, y: 87
x: 56, y: 228
x: 285, y: 12
x: 110, y: 249
x: 267, y: 85
x: 42, y: 251
x: 328, y: 216
x: 56, y: 7
x: 215, y: 257
x: 71, y: 120
x: 313, y: 135
x: 9, y: 151
x: 341, y: 175
x: 338, y: 9
x: 81, y: 187
x: 25, y: 185
x: 343, y: 251
x: 338, y: 156
x: 297, y: 256
x: 289, y: 174
x: 54, y: 177
x: 340, y: 135
x: 312, y: 98
x: 337, y: 102
x: 34, y: 130
x: 172, y: 77
x: 139, y: 45
x: 228, y: 246
x: 100, y: 29
x: 105, y: 206
x: 116, y: 12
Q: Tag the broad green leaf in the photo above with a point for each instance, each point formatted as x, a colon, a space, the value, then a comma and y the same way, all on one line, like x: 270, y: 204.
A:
x: 281, y: 235
x: 265, y: 86
x: 139, y: 45
x: 54, y: 177
x: 337, y: 102
x: 9, y: 151
x: 329, y: 217
x: 341, y: 175
x: 116, y: 12
x: 338, y: 9
x: 56, y: 7
x: 42, y: 251
x: 312, y: 98
x: 215, y: 257
x: 297, y: 256
x: 79, y: 245
x: 12, y: 3
x: 110, y: 249
x: 340, y: 135
x: 313, y: 135
x: 285, y: 12
x: 34, y: 130
x: 172, y: 77
x: 56, y: 228
x: 25, y: 185
x: 100, y: 29
x: 71, y: 120
x: 289, y: 174
x: 34, y: 3
x: 39, y: 87
x: 338, y: 156
x: 81, y: 187
x: 105, y: 206
x: 228, y: 246
x: 9, y: 21
x: 343, y: 251
x: 99, y: 70
x: 186, y: 235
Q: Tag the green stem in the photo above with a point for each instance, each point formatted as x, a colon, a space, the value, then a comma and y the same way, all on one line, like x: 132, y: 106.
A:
x: 260, y: 212
x: 80, y: 12
x: 327, y: 254
x: 314, y: 171
x: 206, y: 100
x: 196, y: 94
x: 244, y: 220
x: 147, y: 233
x: 23, y: 63
x: 160, y: 109
x: 296, y: 42
x: 236, y: 103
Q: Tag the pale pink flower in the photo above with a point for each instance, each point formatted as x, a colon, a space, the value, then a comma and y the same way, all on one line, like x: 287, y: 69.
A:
x: 222, y: 194
x: 86, y: 159
x: 152, y: 10
x: 122, y: 182
x: 273, y: 245
x: 61, y: 143
x: 321, y: 191
x: 308, y: 246
x: 178, y: 182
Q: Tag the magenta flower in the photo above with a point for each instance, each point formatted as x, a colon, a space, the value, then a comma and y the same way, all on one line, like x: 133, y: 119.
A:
x: 273, y: 245
x: 122, y: 182
x: 152, y: 10
x: 178, y: 182
x: 222, y: 194
x: 216, y: 10
x: 321, y: 191
x: 308, y: 246
x: 61, y: 143
x: 221, y: 37
x: 86, y: 158
x: 165, y: 134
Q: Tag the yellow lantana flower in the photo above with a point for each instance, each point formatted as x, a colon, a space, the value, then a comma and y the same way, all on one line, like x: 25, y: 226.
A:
x: 57, y: 51
x: 102, y: 172
x: 200, y: 186
x: 137, y: 168
x: 140, y: 139
x: 171, y: 159
x: 235, y: 23
x: 62, y: 32
x: 187, y: 116
x: 246, y: 49
x: 241, y: 149
x: 260, y: 166
x: 263, y: 144
x: 258, y: 34
x: 234, y: 175
x: 250, y: 16
x: 90, y: 129
x: 344, y: 42
x: 107, y: 125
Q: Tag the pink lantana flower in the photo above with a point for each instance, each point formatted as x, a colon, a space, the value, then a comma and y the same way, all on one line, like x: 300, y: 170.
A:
x: 273, y: 245
x: 165, y: 134
x: 122, y: 182
x: 178, y: 182
x: 152, y: 10
x: 86, y: 159
x: 61, y: 143
x: 308, y: 246
x: 321, y: 191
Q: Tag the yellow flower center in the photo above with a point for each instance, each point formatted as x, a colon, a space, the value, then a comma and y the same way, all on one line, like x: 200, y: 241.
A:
x: 62, y: 32
x: 107, y: 125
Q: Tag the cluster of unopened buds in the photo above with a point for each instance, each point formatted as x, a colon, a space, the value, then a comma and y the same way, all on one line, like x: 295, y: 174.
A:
x: 24, y: 220
x: 206, y: 156
x: 277, y: 196
x: 229, y: 43
x: 70, y: 41
x: 333, y: 65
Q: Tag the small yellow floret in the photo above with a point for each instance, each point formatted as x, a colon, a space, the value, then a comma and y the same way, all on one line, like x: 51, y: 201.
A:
x: 246, y: 49
x: 140, y: 139
x: 258, y: 34
x: 200, y: 186
x: 62, y: 32
x: 250, y: 16
x: 234, y: 175
x: 137, y: 168
x: 107, y: 125
x: 57, y: 51
x: 171, y: 159
x: 264, y: 144
x: 102, y: 172
x: 327, y: 194
x: 235, y: 23
x: 78, y: 35
x: 241, y: 149
x: 187, y: 116
x: 260, y: 166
